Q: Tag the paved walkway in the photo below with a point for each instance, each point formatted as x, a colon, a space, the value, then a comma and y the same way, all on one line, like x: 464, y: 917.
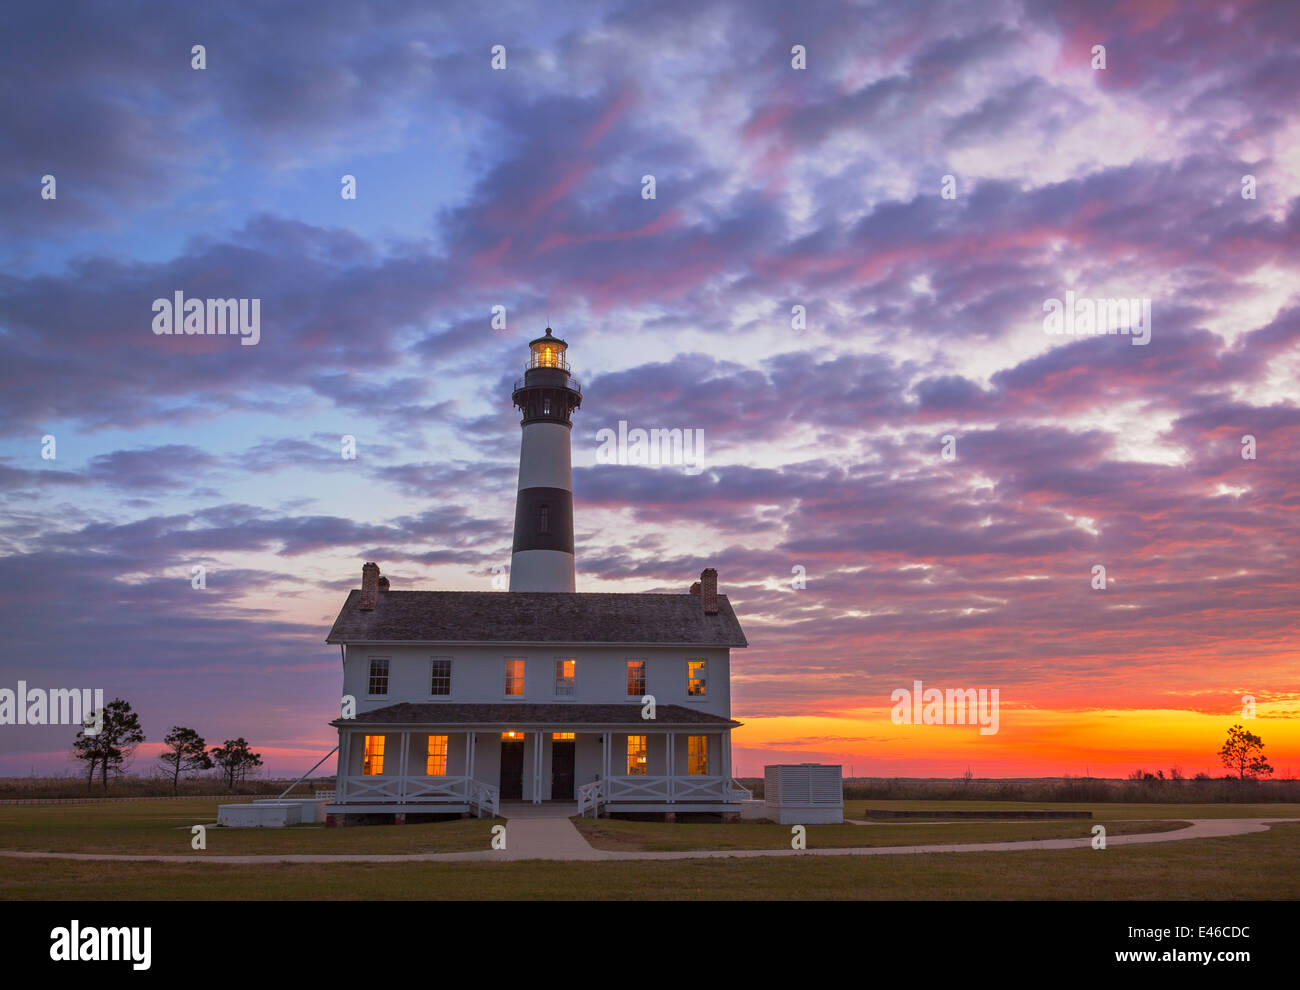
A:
x: 539, y: 837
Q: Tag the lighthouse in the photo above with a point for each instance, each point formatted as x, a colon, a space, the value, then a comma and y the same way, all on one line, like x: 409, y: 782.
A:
x: 542, y: 557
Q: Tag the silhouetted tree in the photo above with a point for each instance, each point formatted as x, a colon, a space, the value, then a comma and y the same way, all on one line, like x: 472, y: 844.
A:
x: 235, y: 760
x: 111, y: 747
x: 186, y: 753
x: 1244, y: 752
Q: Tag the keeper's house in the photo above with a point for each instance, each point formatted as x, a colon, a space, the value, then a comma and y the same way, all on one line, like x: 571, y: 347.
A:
x: 463, y: 699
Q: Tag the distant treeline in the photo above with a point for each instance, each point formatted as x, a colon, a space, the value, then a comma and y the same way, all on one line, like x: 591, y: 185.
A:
x: 135, y: 786
x: 1198, y: 790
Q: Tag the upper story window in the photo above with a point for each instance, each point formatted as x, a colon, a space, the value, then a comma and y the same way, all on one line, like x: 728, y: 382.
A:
x: 441, y: 681
x: 566, y: 670
x: 546, y: 407
x: 436, y: 761
x: 697, y: 678
x: 697, y: 748
x: 544, y: 519
x: 378, y: 683
x: 515, y: 677
x: 636, y: 760
x: 373, y: 762
x: 636, y: 678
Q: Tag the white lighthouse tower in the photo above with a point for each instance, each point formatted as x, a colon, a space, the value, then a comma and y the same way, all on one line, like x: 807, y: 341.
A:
x: 547, y: 395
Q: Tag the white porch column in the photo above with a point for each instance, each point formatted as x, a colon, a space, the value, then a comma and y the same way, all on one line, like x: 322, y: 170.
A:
x: 726, y: 755
x: 669, y: 748
x: 402, y: 763
x: 341, y: 777
x: 537, y: 768
x: 473, y: 753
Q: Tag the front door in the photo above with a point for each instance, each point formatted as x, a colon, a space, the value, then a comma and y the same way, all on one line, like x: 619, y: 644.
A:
x: 562, y: 769
x: 512, y: 769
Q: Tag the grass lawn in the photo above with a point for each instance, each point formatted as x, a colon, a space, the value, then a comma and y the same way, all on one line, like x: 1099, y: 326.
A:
x: 164, y: 827
x: 622, y: 836
x: 1244, y: 867
x: 1101, y: 811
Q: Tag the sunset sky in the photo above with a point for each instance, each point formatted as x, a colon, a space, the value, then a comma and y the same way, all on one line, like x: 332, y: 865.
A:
x: 776, y: 188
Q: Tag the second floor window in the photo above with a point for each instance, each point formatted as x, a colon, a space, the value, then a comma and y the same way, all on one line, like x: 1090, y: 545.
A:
x: 565, y: 672
x: 636, y: 678
x: 515, y: 678
x: 436, y: 761
x: 697, y: 678
x: 544, y: 519
x: 372, y: 764
x: 441, y: 683
x: 636, y: 755
x: 378, y: 675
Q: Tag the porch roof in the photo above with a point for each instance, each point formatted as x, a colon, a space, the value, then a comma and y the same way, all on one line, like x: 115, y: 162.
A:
x: 515, y: 716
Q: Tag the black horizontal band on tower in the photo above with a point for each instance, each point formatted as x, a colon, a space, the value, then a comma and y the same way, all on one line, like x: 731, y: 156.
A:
x: 551, y: 530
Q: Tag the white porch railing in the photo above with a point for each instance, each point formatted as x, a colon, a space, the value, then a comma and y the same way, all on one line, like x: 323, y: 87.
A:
x: 420, y: 790
x: 659, y: 790
x: 590, y: 796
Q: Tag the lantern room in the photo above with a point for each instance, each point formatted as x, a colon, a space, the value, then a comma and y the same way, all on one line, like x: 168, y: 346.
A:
x: 548, y: 352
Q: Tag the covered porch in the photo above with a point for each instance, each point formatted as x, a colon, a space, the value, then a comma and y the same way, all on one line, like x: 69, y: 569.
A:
x: 406, y: 759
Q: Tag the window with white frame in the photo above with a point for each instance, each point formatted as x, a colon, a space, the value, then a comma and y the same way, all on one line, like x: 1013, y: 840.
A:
x: 440, y: 682
x: 636, y: 757
x: 697, y: 748
x: 436, y: 761
x: 378, y: 683
x: 697, y: 678
x: 566, y: 669
x: 372, y: 763
x: 515, y: 677
x: 636, y: 678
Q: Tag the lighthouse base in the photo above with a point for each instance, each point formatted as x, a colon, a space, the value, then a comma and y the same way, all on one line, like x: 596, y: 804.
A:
x: 541, y: 570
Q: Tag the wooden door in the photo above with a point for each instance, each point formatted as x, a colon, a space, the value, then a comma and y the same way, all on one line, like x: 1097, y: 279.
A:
x: 512, y: 769
x: 562, y: 769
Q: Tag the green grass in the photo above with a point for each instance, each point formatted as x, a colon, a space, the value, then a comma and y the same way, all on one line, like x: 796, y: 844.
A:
x: 1101, y: 811
x: 1246, y: 867
x: 623, y: 836
x: 164, y: 827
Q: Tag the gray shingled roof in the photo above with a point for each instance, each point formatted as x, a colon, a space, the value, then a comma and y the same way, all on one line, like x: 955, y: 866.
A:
x: 536, y: 617
x: 515, y: 716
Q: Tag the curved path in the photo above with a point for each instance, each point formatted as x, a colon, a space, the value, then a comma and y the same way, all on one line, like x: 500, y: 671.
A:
x: 558, y: 839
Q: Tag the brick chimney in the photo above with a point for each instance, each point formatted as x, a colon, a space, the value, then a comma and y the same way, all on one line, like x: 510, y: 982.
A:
x: 695, y: 589
x: 709, y: 590
x: 369, y: 587
x: 383, y: 583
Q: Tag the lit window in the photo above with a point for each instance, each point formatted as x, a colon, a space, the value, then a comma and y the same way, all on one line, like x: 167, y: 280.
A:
x: 379, y: 675
x: 562, y: 736
x: 636, y: 678
x: 546, y: 407
x: 373, y: 764
x: 441, y: 682
x: 698, y: 749
x: 697, y: 680
x: 436, y: 765
x: 564, y: 677
x: 514, y: 677
x: 512, y: 734
x: 544, y: 519
x: 636, y: 755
